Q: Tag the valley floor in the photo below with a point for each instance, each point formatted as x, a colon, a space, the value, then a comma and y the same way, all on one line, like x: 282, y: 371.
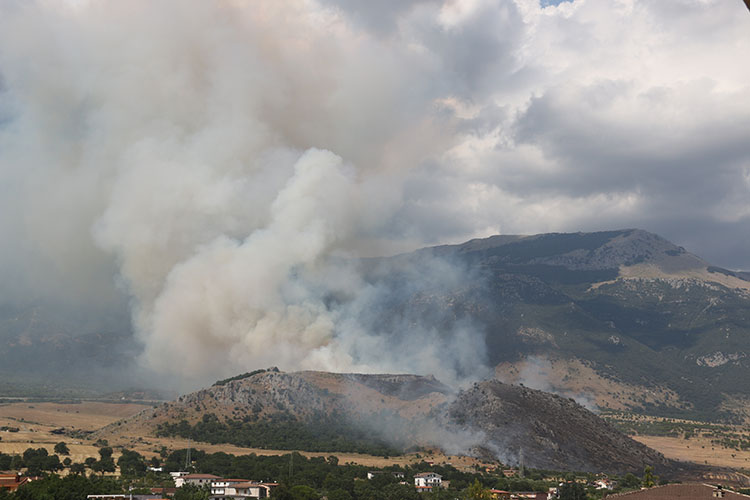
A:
x: 36, y: 421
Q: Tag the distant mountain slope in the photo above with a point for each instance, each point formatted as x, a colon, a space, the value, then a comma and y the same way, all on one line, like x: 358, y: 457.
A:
x: 397, y: 411
x: 641, y: 312
x: 653, y: 327
x: 62, y: 351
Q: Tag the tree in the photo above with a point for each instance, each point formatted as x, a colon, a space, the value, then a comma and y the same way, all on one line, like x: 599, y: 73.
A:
x: 302, y: 492
x: 62, y: 449
x: 398, y: 491
x: 339, y: 494
x: 77, y: 468
x: 281, y: 492
x: 630, y: 481
x: 72, y: 487
x: 191, y: 492
x: 380, y: 481
x: 131, y: 463
x: 5, y: 461
x: 364, y: 490
x: 649, y: 479
x: 477, y: 492
x: 572, y: 491
x: 104, y: 465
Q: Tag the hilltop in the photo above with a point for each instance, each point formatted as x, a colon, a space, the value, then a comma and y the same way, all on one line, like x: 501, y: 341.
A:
x: 320, y: 411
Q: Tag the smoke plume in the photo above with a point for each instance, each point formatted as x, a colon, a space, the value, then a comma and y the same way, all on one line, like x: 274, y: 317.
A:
x: 218, y: 167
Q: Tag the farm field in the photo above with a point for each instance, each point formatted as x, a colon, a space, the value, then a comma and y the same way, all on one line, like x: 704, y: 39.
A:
x: 36, y: 421
x: 697, y: 450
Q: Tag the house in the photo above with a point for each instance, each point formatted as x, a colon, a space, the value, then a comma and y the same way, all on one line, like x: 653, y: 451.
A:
x: 225, y: 487
x: 426, y: 481
x: 240, y: 489
x: 528, y: 495
x: 177, y: 475
x: 687, y: 491
x: 500, y: 494
x: 163, y: 492
x: 371, y: 474
x: 195, y: 479
x: 253, y: 490
x: 11, y: 481
x: 603, y: 484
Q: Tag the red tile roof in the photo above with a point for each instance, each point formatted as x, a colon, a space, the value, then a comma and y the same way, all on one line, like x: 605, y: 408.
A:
x: 687, y: 491
x: 11, y: 482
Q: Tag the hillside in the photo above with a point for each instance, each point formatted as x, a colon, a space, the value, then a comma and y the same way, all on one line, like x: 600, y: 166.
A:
x: 321, y: 411
x: 654, y: 328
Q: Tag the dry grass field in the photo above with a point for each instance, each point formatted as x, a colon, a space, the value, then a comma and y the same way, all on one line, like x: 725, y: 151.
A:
x: 36, y: 421
x: 698, y: 450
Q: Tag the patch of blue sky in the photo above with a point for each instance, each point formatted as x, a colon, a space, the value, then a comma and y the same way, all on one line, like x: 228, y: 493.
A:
x: 547, y: 3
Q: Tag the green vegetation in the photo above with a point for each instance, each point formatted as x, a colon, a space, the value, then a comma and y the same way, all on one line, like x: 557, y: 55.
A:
x: 282, y: 432
x: 62, y: 449
x: 302, y: 478
x: 71, y: 487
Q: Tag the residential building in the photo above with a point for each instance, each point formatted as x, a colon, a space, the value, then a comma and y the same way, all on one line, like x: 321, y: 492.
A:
x: 371, y: 474
x: 426, y: 481
x: 195, y: 479
x: 240, y: 489
x: 686, y: 491
x: 12, y: 480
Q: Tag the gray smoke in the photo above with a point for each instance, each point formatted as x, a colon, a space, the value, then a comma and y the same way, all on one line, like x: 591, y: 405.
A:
x: 217, y: 166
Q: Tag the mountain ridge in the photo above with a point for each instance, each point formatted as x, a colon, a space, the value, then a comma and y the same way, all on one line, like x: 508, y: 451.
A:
x: 636, y: 308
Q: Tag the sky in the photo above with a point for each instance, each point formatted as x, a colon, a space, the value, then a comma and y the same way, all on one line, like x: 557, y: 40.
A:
x: 183, y: 158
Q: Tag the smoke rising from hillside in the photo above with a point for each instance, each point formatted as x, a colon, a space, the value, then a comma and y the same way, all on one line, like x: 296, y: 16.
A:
x: 215, y: 165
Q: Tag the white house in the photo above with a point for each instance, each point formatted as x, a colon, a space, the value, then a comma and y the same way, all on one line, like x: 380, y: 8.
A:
x: 603, y: 484
x: 371, y: 474
x: 233, y: 490
x: 225, y: 487
x: 195, y: 479
x: 426, y: 481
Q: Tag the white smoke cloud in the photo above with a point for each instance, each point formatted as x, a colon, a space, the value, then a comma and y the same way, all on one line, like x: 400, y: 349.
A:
x: 212, y: 157
x: 236, y: 303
